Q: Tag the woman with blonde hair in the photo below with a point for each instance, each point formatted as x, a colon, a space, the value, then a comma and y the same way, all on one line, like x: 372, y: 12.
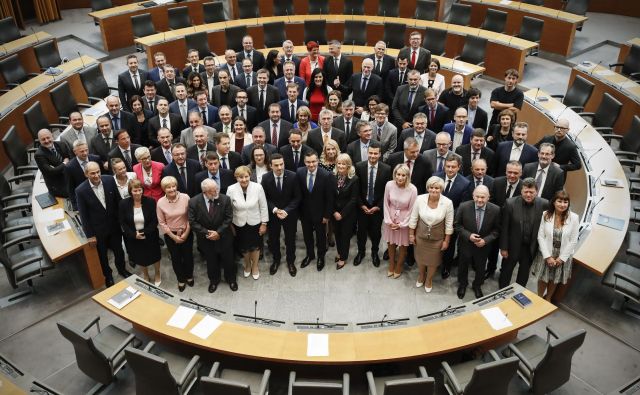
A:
x: 304, y: 122
x: 329, y: 155
x: 345, y: 207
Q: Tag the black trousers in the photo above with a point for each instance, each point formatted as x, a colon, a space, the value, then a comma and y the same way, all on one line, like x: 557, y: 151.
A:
x: 309, y: 227
x: 369, y: 226
x: 218, y: 257
x: 289, y: 225
x: 492, y: 261
x: 448, y: 254
x: 343, y: 230
x: 508, y: 265
x: 181, y: 257
x: 110, y: 241
x: 474, y: 257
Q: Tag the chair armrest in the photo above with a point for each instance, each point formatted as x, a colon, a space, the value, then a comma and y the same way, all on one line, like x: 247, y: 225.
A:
x: 625, y: 278
x: 17, y: 228
x: 629, y: 162
x: 94, y: 100
x: 587, y: 115
x: 616, y: 64
x: 576, y: 108
x: 371, y: 384
x: 84, y: 105
x: 193, y: 364
x: 26, y: 167
x: 345, y: 383
x: 552, y: 332
x: 558, y: 96
x: 58, y: 125
x: 633, y: 253
x: 264, y: 384
x: 601, y: 129
x: 423, y: 372
x: 21, y: 240
x: 91, y: 323
x: 12, y: 85
x: 149, y: 346
x: 63, y: 119
x: 452, y: 377
x: 292, y: 379
x: 480, y: 64
x: 121, y: 347
x: 456, y: 57
x: 214, y: 370
x: 611, y: 136
x: 521, y: 357
x: 22, y: 177
x: 26, y: 262
x: 627, y: 153
x: 15, y: 207
x: 15, y: 196
x: 494, y: 355
x: 633, y: 179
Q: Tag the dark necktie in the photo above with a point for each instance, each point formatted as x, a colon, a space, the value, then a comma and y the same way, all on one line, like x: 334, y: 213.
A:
x: 204, y: 116
x: 539, y: 179
x: 432, y: 117
x: 411, y: 94
x: 127, y: 158
x: 310, y: 184
x: 378, y: 66
x: 370, y: 187
x: 151, y: 106
x: 274, y: 135
x: 363, y: 86
x: 233, y: 72
x: 476, y: 154
x: 242, y: 113
x: 107, y: 142
x: 183, y: 174
x: 164, y: 123
x: 136, y: 85
x: 116, y: 123
x: 296, y: 158
x: 440, y: 163
x: 347, y: 128
x: 478, y: 220
x: 448, y: 187
x: 478, y: 182
x: 509, y: 189
x: 278, y: 184
x: 248, y: 78
x: 261, y: 98
x: 401, y: 77
x: 292, y: 113
x: 224, y: 163
x: 212, y: 207
x: 56, y: 153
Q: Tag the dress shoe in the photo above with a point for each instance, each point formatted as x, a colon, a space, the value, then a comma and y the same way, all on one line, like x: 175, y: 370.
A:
x: 478, y: 291
x: 181, y: 287
x: 273, y: 269
x: 292, y: 269
x: 428, y: 289
x: 489, y: 275
x: 389, y: 274
x: 306, y: 261
x: 212, y: 288
x: 320, y: 263
x: 256, y: 276
x: 385, y: 255
x: 246, y: 274
x: 461, y: 291
x: 125, y: 273
x: 419, y: 284
x: 358, y: 259
x: 190, y: 282
x: 445, y: 274
x: 233, y: 286
x: 375, y: 259
x: 336, y: 259
x: 108, y: 281
x: 339, y: 266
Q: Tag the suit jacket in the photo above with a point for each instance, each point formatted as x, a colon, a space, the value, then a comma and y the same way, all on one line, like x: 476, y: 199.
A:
x: 68, y: 137
x: 361, y: 97
x: 458, y: 192
x: 287, y: 154
x: 147, y: 106
x: 192, y: 152
x: 440, y: 119
x: 250, y: 113
x: 154, y: 74
x: 216, y: 99
x: 97, y: 146
x: 126, y: 89
x: 237, y: 66
x: 257, y: 58
x: 512, y: 225
x: 116, y: 153
x: 400, y: 110
x: 212, y: 115
x: 129, y: 123
x: 344, y: 71
x: 567, y: 242
x: 314, y: 139
x: 281, y: 84
x: 287, y: 199
x: 216, y: 82
x: 226, y: 179
x: 193, y: 167
x: 201, y: 222
x: 388, y: 138
x: 347, y: 198
x: 176, y: 127
x: 285, y: 128
x: 285, y: 109
x: 52, y: 168
x: 420, y: 172
x: 318, y: 203
x: 125, y: 216
x: 383, y: 174
x: 75, y: 176
x: 189, y: 69
x: 392, y: 83
x: 481, y: 120
x: 353, y: 150
x: 465, y: 153
x: 340, y: 123
x: 271, y: 96
x: 503, y: 152
x: 246, y: 151
x: 164, y: 89
x: 97, y: 220
x: 499, y: 191
x: 486, y: 181
x: 466, y: 133
x: 174, y: 108
x: 241, y: 81
x: 465, y: 225
x: 422, y: 61
x: 295, y: 59
x: 154, y: 191
x: 566, y: 154
x: 431, y: 155
x: 388, y: 63
x: 235, y: 160
x: 552, y: 184
x: 157, y: 155
x: 428, y: 140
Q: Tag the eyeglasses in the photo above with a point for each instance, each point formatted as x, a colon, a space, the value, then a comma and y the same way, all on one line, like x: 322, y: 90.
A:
x: 561, y: 127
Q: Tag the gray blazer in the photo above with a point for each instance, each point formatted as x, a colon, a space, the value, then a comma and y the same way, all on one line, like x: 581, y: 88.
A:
x: 388, y: 138
x: 68, y: 136
x: 432, y: 156
x: 186, y: 135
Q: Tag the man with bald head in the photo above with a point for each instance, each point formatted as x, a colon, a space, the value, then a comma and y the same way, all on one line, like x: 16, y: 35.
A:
x: 363, y: 85
x: 437, y: 156
x: 566, y: 152
x: 194, y: 121
x: 455, y: 96
x: 51, y: 158
x: 231, y: 65
x: 477, y: 223
x: 459, y: 131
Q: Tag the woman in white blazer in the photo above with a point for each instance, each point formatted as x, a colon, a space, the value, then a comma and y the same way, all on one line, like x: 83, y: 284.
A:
x: 250, y: 216
x: 557, y: 239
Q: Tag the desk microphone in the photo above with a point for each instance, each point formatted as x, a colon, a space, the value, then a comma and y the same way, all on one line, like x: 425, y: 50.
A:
x: 594, y: 67
x: 562, y: 112
x: 594, y: 154
x: 164, y: 37
x: 255, y: 311
x: 581, y: 130
x: 35, y: 35
x: 382, y: 320
x: 23, y: 91
x: 453, y: 61
x: 81, y: 60
x: 286, y: 11
x: 598, y: 178
x: 317, y: 322
x: 512, y: 37
x: 596, y: 205
x: 535, y: 98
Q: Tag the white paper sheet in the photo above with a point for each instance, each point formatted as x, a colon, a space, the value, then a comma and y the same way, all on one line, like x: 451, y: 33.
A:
x: 205, y: 327
x: 52, y: 215
x: 318, y: 345
x: 180, y: 319
x: 629, y: 84
x: 604, y: 72
x: 496, y: 318
x: 505, y: 2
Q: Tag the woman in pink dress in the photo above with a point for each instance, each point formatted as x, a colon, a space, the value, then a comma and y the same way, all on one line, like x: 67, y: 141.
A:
x: 399, y: 196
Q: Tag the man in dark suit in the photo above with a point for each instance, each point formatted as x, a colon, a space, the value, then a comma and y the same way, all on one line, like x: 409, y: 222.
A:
x: 131, y: 82
x: 162, y: 153
x: 193, y: 57
x: 455, y: 96
x: 318, y: 188
x: 248, y: 52
x: 222, y: 177
x: 478, y: 226
x: 183, y: 169
x: 373, y: 176
x: 209, y: 113
x: 210, y: 76
x: 166, y: 120
x: 437, y: 113
x: 202, y: 146
x: 548, y: 175
x: 259, y: 140
x: 419, y: 58
x: 289, y: 106
x: 104, y: 142
x: 437, y: 156
x: 124, y: 149
x: 98, y: 200
x: 566, y: 152
x: 242, y: 109
x: 231, y: 65
x: 364, y: 85
x: 475, y: 150
x: 479, y: 176
x: 426, y: 138
x: 408, y: 99
x: 224, y: 93
x: 419, y: 168
x: 282, y: 83
x: 225, y: 124
x: 157, y: 73
x: 210, y: 216
x: 519, y: 233
x: 248, y: 78
x: 294, y: 152
x: 395, y: 78
x: 382, y: 63
x: 518, y: 149
x: 282, y: 190
x: 358, y: 150
x: 276, y: 129
x: 121, y: 119
x: 459, y: 131
x: 338, y: 68
x: 74, y: 170
x: 151, y: 97
x: 263, y: 95
x: 182, y: 105
x: 287, y: 50
x: 317, y: 136
x: 51, y: 158
x: 166, y: 87
x: 347, y: 121
x: 477, y: 117
x: 228, y: 159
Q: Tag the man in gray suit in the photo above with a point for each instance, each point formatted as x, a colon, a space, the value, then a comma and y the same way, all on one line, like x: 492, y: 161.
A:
x: 408, y: 98
x: 358, y: 150
x: 384, y: 132
x: 195, y: 120
x: 437, y: 156
x: 548, y: 175
x: 77, y: 130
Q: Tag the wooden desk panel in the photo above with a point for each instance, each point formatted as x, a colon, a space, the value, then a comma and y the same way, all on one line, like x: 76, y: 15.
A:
x: 23, y: 47
x: 618, y: 7
x: 407, y: 9
x: 624, y: 51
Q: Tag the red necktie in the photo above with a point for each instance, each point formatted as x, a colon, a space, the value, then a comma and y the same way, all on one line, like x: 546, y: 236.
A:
x: 274, y: 135
x: 413, y: 58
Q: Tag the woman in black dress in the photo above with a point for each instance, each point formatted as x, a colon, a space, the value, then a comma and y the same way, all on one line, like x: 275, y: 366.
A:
x: 139, y: 222
x: 273, y: 65
x: 501, y: 131
x: 141, y: 127
x: 345, y: 207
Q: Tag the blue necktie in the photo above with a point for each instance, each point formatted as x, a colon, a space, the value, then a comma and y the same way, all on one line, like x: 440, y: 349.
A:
x: 370, y: 188
x: 310, y: 185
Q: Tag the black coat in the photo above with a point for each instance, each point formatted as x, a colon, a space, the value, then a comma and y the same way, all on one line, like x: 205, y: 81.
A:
x: 383, y: 174
x: 419, y: 174
x: 318, y: 203
x: 97, y: 220
x: 226, y: 179
x: 75, y: 176
x: 53, y: 168
x: 288, y: 199
x: 193, y: 167
x: 287, y: 154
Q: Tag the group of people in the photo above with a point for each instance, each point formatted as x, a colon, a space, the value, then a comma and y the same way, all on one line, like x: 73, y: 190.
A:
x: 235, y: 155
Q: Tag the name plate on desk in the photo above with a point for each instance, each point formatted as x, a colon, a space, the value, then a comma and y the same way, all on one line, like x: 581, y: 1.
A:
x: 610, y: 222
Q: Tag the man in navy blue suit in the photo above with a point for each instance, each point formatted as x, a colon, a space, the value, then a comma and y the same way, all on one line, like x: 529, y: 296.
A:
x: 157, y: 73
x: 209, y: 112
x: 459, y: 131
x: 518, y: 149
x: 183, y: 169
x: 98, y: 200
x: 74, y: 170
x: 289, y: 106
x: 282, y: 83
x: 182, y: 105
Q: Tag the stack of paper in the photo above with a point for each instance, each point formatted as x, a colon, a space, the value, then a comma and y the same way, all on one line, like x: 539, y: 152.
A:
x: 318, y: 345
x: 205, y: 327
x: 124, y: 297
x: 496, y: 318
x: 181, y: 318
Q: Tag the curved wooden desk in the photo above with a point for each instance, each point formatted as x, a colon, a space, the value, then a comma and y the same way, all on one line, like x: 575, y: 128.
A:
x: 14, y: 381
x: 23, y: 47
x: 149, y: 313
x: 503, y: 51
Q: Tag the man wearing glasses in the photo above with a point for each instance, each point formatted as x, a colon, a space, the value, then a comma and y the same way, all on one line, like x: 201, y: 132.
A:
x: 566, y: 153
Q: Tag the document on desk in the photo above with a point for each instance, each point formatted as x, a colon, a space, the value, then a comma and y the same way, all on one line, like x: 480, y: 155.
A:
x: 604, y: 72
x: 496, y: 318
x: 181, y: 318
x: 57, y: 227
x: 317, y: 345
x: 205, y: 327
x: 52, y: 215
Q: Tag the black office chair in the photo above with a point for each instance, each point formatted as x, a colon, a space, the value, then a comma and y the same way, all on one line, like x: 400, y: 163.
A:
x: 631, y: 65
x: 235, y: 382
x: 316, y: 387
x: 13, y: 72
x: 13, y: 197
x: 435, y: 40
x: 318, y: 7
x: 389, y: 8
x: 578, y: 7
x: 94, y: 83
x: 36, y: 120
x: 495, y: 21
x: 233, y: 36
x: 179, y: 18
x: 142, y: 25
x: 64, y: 102
x: 474, y: 50
x: 394, y: 34
x: 628, y: 143
x: 248, y: 9
x: 426, y: 10
x: 18, y: 153
x: 213, y: 12
x: 531, y: 30
x: 23, y: 262
x: 47, y: 55
x: 606, y: 114
x: 578, y: 94
x: 199, y: 42
x: 624, y: 279
x: 353, y: 7
x: 274, y: 34
x: 355, y: 32
x: 283, y: 8
x: 407, y: 384
x: 315, y: 30
x: 480, y: 377
x: 97, y: 5
x: 460, y: 14
x: 8, y: 30
x: 534, y: 2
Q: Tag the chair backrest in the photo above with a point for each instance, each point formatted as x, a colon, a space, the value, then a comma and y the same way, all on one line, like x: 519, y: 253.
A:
x: 474, y: 49
x: 353, y: 7
x: 460, y: 14
x: 47, y: 54
x: 179, y: 17
x: 414, y: 386
x: 607, y: 113
x: 315, y: 30
x: 233, y: 36
x: 214, y: 385
x: 631, y: 140
x: 199, y: 42
x: 355, y: 32
x: 151, y: 372
x: 394, y: 34
x: 318, y: 7
x: 632, y: 61
x: 15, y: 148
x: 578, y: 7
x: 316, y: 388
x: 89, y: 359
x: 63, y: 99
x: 12, y: 70
x: 213, y: 12
x: 248, y: 9
x: 142, y: 25
x: 5, y: 190
x: 389, y: 8
x: 492, y: 377
x: 579, y: 92
x: 8, y: 30
x: 435, y: 40
x: 534, y: 2
x: 274, y: 34
x: 283, y: 7
x: 35, y: 119
x: 426, y: 10
x: 555, y: 367
x: 94, y: 82
x: 97, y: 5
x: 495, y: 21
x: 531, y: 29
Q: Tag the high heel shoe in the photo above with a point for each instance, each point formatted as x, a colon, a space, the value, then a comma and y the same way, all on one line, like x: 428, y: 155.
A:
x: 419, y: 284
x: 396, y: 275
x: 389, y: 274
x: 428, y: 289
